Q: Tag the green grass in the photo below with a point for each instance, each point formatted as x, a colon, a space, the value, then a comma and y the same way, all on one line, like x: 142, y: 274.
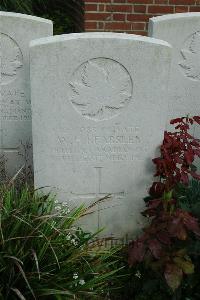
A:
x: 44, y: 255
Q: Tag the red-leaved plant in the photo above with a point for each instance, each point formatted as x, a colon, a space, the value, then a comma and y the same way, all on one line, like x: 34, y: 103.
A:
x: 159, y: 246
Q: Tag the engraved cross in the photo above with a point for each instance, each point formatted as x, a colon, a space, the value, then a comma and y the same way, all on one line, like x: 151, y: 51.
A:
x: 98, y: 194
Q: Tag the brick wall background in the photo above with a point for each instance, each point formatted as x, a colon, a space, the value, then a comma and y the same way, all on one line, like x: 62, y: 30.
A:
x: 131, y: 16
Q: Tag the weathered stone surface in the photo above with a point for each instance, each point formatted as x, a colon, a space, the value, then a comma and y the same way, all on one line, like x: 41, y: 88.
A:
x: 182, y: 31
x: 99, y: 109
x: 16, y: 32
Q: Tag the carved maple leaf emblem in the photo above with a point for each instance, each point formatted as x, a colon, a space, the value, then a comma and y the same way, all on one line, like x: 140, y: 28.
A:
x: 10, y: 57
x: 191, y: 56
x: 100, y: 88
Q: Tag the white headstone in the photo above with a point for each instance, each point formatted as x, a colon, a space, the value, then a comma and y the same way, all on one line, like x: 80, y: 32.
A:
x: 182, y: 31
x: 16, y: 32
x: 99, y: 104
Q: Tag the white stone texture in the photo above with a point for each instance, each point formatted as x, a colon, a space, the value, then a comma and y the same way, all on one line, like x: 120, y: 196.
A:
x: 182, y: 31
x: 99, y: 104
x: 16, y: 32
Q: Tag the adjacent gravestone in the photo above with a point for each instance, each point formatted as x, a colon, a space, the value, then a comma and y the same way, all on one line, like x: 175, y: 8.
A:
x: 99, y: 105
x: 182, y: 31
x: 16, y: 32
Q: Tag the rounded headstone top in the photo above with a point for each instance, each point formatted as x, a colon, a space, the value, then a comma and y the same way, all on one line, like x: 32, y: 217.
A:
x: 24, y: 17
x: 97, y: 35
x: 178, y: 16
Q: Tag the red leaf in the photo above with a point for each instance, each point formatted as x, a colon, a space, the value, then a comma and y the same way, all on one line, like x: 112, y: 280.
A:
x: 184, y: 127
x: 195, y: 143
x: 154, y: 203
x: 177, y: 120
x: 149, y: 213
x: 197, y: 151
x: 189, y: 157
x: 173, y: 275
x: 192, y: 223
x: 157, y: 189
x: 191, y: 121
x: 197, y: 119
x: 176, y: 228
x: 136, y: 252
x: 184, y: 178
x: 152, y: 208
x: 155, y: 248
x: 178, y: 126
x: 164, y: 238
x: 189, y: 135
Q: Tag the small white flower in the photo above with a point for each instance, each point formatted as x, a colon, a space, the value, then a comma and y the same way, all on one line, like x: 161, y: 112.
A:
x: 74, y: 242
x: 82, y: 282
x: 138, y: 274
x: 56, y: 201
x: 75, y: 276
x: 58, y: 207
x: 68, y: 237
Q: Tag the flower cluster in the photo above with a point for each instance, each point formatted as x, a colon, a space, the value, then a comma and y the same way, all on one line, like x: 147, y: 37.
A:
x: 71, y: 236
x: 62, y: 208
x: 78, y: 281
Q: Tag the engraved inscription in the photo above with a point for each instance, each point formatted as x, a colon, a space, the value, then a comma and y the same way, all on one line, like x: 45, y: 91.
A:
x: 90, y: 144
x: 15, y: 105
x: 191, y: 56
x: 100, y: 89
x: 11, y: 59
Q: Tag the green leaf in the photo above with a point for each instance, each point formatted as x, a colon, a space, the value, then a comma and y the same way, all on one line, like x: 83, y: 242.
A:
x: 37, y: 257
x: 186, y: 265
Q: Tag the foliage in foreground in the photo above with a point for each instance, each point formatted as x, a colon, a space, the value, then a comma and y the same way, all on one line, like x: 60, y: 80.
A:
x: 143, y: 282
x: 165, y: 260
x: 42, y: 254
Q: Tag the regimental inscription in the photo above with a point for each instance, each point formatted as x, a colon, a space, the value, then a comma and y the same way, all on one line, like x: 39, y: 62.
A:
x: 11, y: 59
x: 90, y: 144
x: 100, y: 89
x: 191, y: 56
x: 15, y: 105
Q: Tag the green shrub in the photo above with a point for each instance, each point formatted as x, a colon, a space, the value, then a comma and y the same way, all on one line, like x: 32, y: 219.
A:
x: 164, y: 261
x: 43, y: 255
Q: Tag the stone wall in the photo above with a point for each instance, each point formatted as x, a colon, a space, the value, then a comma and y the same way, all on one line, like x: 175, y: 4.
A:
x: 131, y: 16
